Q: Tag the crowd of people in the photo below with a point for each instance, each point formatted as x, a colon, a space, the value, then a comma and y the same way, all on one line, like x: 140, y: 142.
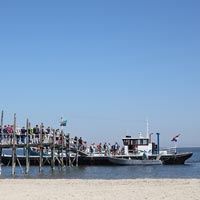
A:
x: 106, y: 149
x: 39, y: 134
x: 36, y: 134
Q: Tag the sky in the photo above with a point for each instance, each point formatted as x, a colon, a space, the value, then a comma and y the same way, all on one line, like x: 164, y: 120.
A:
x: 105, y: 66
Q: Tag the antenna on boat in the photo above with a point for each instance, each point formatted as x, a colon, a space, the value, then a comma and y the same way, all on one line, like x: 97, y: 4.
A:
x: 127, y: 132
x: 147, y: 133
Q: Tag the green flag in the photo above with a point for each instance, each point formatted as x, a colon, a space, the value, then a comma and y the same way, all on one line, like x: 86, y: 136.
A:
x: 63, y: 123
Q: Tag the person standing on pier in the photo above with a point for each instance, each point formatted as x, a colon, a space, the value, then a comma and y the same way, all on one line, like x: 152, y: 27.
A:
x: 109, y: 149
x: 75, y: 141
x: 43, y: 130
x: 80, y: 143
x: 105, y: 148
x: 99, y: 147
x: 18, y: 134
x: 67, y: 140
x: 48, y: 132
x: 23, y: 135
x: 30, y: 133
x: 36, y: 132
x: 10, y: 132
x: 5, y: 132
x: 57, y: 136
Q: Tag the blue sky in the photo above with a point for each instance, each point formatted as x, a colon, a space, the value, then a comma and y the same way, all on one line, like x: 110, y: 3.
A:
x: 104, y: 65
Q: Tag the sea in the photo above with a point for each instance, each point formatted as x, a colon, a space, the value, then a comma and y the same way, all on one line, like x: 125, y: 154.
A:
x: 190, y: 170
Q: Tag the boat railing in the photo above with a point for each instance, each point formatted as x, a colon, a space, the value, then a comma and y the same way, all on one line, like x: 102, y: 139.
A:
x: 171, y: 150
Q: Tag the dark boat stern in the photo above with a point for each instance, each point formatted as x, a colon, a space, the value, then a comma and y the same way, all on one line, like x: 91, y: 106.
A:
x: 175, y: 159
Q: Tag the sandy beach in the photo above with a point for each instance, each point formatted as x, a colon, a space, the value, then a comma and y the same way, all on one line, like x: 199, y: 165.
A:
x: 147, y: 189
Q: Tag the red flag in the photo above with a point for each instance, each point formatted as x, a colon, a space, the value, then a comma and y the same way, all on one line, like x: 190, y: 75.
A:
x: 174, y: 139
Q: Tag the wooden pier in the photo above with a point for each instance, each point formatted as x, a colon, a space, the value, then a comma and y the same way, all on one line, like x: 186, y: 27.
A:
x: 58, y: 152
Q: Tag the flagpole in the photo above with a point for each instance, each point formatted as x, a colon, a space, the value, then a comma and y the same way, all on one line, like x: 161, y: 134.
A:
x: 1, y: 138
x: 2, y: 125
x: 61, y: 126
x: 2, y: 121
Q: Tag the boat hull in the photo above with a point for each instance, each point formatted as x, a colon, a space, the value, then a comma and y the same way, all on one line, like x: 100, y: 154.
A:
x: 175, y: 159
x: 172, y: 159
x: 123, y: 161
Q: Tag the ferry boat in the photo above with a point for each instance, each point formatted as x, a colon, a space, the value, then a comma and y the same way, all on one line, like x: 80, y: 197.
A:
x: 141, y: 150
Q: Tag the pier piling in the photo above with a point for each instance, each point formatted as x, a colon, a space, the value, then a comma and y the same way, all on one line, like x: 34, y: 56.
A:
x: 1, y: 138
x: 68, y: 152
x: 27, y: 147
x: 0, y: 158
x: 14, y: 147
x: 62, y: 146
x: 41, y: 148
x: 53, y: 152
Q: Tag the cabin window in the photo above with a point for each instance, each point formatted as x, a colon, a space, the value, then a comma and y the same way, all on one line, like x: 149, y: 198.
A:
x: 142, y: 142
x: 125, y: 142
x: 145, y: 142
x: 136, y: 142
x: 131, y: 142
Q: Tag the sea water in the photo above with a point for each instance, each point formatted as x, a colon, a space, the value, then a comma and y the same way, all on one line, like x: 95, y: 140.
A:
x: 190, y: 170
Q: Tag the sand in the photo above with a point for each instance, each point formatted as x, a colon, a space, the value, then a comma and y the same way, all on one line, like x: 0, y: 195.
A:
x: 144, y: 189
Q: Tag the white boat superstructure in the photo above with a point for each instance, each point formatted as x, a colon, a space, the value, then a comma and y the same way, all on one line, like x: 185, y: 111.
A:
x: 139, y: 145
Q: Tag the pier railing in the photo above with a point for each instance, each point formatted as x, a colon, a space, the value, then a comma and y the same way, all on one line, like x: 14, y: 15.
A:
x: 31, y: 139
x: 59, y: 147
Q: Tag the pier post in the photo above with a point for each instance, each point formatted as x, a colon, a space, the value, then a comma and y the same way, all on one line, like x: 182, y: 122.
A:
x: 77, y: 156
x: 1, y: 136
x: 53, y: 152
x: 1, y: 126
x: 0, y: 158
x: 68, y: 151
x: 14, y: 147
x: 62, y: 146
x: 27, y: 147
x: 41, y: 148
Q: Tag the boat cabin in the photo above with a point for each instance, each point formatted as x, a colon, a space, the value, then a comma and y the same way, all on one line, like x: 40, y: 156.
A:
x: 138, y: 145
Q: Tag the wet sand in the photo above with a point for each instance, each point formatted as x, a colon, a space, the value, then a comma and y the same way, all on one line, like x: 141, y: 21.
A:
x: 144, y: 189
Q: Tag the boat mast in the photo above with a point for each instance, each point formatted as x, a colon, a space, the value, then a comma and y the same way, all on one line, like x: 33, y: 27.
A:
x: 147, y: 133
